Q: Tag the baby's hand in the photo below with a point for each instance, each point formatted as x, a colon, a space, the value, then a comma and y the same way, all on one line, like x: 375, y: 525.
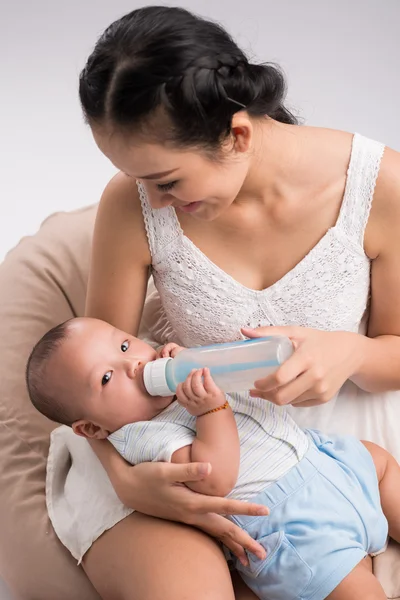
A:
x: 170, y: 349
x: 199, y: 394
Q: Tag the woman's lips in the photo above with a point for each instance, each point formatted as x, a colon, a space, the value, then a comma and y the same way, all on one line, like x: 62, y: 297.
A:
x: 188, y: 208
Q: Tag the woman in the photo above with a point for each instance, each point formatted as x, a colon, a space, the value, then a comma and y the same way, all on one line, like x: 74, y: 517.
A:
x: 246, y: 220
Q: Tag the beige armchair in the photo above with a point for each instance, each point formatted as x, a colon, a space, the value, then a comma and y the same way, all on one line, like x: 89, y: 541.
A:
x: 43, y: 282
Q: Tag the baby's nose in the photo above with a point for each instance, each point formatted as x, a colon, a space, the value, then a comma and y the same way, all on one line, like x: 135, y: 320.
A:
x: 132, y: 366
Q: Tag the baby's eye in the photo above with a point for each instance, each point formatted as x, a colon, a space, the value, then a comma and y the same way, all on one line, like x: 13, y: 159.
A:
x: 125, y: 346
x: 106, y: 378
x: 166, y: 187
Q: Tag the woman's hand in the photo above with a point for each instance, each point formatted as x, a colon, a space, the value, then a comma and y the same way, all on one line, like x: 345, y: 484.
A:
x: 321, y: 363
x: 158, y: 489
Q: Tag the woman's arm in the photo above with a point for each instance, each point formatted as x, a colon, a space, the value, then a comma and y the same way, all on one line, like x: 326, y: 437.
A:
x: 113, y: 463
x: 117, y: 284
x: 116, y: 293
x: 120, y: 258
x: 379, y: 368
x: 158, y: 489
x: 322, y: 360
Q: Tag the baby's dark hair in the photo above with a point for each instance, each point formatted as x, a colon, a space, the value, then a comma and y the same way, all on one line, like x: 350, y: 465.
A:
x: 178, y: 77
x: 36, y: 376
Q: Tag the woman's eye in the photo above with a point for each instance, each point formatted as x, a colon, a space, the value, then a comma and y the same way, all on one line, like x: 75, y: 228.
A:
x: 106, y: 378
x: 125, y: 346
x: 166, y: 187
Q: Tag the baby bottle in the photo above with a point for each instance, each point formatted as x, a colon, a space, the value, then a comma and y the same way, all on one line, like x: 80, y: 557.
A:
x: 234, y: 366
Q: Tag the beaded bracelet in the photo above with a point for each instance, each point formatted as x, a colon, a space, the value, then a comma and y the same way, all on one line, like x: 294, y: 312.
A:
x: 213, y: 410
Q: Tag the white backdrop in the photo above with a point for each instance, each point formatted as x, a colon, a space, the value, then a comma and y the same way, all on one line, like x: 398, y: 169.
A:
x: 342, y: 60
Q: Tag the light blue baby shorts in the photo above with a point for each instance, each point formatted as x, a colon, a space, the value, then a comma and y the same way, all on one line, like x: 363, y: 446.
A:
x: 325, y: 517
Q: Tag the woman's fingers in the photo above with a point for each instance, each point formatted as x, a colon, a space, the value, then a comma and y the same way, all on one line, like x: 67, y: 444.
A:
x: 306, y: 403
x: 270, y: 330
x: 238, y: 551
x: 180, y: 473
x: 232, y: 536
x: 321, y: 363
x: 293, y: 391
x: 290, y: 370
x: 228, y: 506
x: 200, y: 504
x: 171, y: 499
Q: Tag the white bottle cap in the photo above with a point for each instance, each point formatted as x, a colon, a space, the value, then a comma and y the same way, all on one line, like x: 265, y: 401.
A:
x: 154, y: 377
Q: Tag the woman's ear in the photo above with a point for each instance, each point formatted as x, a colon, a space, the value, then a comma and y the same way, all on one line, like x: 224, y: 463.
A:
x: 242, y: 132
x: 87, y: 429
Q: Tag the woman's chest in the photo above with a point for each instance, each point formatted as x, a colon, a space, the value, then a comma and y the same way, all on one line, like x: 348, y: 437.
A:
x: 258, y: 250
x: 328, y: 289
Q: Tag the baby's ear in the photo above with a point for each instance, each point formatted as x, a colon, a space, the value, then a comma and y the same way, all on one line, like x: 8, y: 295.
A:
x: 87, y: 429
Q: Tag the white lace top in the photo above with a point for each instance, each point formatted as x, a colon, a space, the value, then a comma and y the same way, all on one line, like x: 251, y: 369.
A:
x: 328, y: 289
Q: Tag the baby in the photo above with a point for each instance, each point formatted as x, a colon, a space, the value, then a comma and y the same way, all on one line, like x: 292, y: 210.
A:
x: 327, y: 496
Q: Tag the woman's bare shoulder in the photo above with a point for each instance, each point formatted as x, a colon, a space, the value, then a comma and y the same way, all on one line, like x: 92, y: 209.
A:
x: 388, y: 182
x: 120, y: 257
x: 120, y: 214
x: 384, y: 222
x: 329, y: 151
x: 121, y: 195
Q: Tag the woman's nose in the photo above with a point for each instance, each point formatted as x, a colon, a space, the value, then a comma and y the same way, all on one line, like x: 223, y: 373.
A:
x: 160, y: 200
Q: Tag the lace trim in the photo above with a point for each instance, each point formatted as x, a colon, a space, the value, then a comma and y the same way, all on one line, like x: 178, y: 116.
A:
x: 362, y: 174
x: 162, y: 225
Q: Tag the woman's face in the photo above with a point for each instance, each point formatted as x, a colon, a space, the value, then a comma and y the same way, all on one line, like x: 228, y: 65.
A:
x: 188, y: 180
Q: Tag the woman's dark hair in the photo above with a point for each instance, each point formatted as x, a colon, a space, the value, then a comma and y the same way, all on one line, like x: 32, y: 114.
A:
x: 179, y: 76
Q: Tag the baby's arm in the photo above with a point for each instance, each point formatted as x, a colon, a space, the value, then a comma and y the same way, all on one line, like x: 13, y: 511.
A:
x: 217, y: 439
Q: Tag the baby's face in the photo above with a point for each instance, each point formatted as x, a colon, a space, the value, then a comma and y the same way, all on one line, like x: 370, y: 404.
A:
x: 102, y: 369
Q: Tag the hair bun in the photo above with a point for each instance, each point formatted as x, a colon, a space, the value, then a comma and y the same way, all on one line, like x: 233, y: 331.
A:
x: 167, y: 58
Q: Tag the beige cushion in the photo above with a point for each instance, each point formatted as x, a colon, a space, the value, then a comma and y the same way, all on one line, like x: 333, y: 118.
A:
x: 43, y: 282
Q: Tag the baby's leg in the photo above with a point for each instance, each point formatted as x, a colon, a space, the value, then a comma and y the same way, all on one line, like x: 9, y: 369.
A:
x: 388, y: 471
x: 360, y: 584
